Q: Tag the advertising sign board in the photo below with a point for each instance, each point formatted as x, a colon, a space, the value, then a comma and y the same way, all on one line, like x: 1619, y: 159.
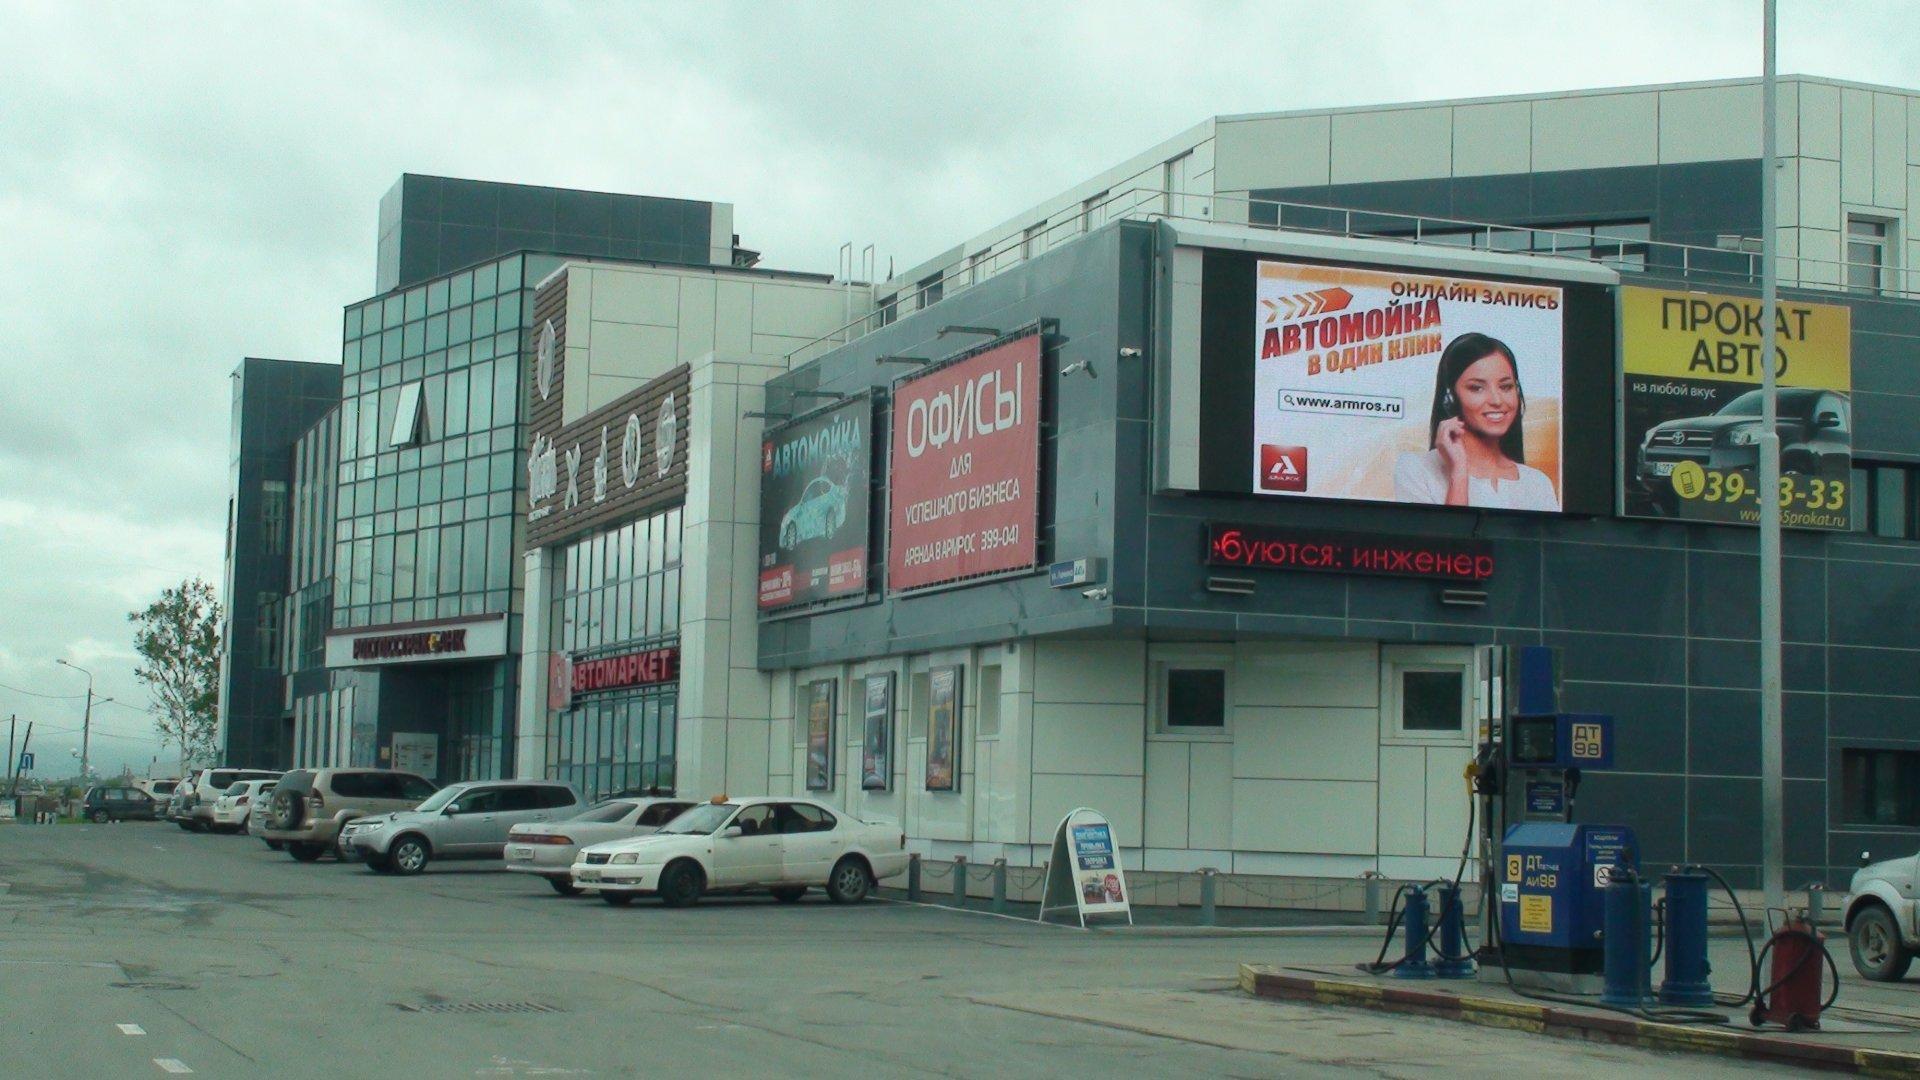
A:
x: 963, y: 490
x: 1691, y: 408
x: 814, y: 497
x: 1267, y: 547
x: 876, y: 734
x: 943, y: 729
x: 1086, y: 864
x: 820, y: 703
x: 1393, y: 386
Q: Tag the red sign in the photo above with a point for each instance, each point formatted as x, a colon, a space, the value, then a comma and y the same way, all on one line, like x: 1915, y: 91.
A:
x: 648, y: 668
x: 559, y: 682
x: 1262, y: 547
x: 963, y: 495
x: 1283, y: 468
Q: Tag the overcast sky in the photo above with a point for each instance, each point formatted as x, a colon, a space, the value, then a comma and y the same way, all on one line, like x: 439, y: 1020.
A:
x: 185, y: 184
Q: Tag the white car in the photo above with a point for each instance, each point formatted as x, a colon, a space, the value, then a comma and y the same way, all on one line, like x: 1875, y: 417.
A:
x: 1883, y: 917
x: 234, y: 808
x: 549, y: 848
x: 782, y: 845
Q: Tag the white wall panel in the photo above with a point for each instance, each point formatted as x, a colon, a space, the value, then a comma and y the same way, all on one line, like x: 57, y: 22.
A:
x: 696, y: 319
x: 1210, y: 795
x: 1284, y: 151
x: 635, y: 296
x: 1088, y: 738
x: 1820, y: 121
x: 1305, y: 744
x: 1856, y: 145
x: 1400, y: 144
x: 733, y: 323
x: 1167, y: 794
x: 1301, y: 864
x: 1403, y: 800
x: 1819, y: 182
x: 1090, y: 671
x: 1493, y: 138
x: 1304, y: 815
x: 1446, y: 799
x: 1595, y: 131
x: 1307, y: 673
x: 1821, y: 251
x: 1710, y: 123
x: 1118, y: 797
x: 1890, y: 151
x: 633, y: 350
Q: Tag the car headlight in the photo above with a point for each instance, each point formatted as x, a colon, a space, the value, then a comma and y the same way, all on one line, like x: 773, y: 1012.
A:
x: 625, y: 858
x: 1743, y: 436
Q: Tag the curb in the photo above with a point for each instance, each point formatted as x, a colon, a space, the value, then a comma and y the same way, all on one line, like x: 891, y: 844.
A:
x: 1261, y: 980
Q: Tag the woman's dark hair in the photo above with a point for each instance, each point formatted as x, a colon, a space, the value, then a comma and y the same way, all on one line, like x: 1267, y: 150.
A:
x: 1462, y: 353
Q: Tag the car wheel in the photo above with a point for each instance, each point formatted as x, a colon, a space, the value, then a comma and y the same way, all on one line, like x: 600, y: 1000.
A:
x: 409, y: 855
x: 98, y: 817
x: 790, y: 894
x: 567, y: 888
x: 617, y: 899
x: 850, y: 882
x: 681, y: 885
x: 273, y: 845
x: 184, y: 826
x: 379, y: 864
x: 1874, y: 941
x: 306, y: 852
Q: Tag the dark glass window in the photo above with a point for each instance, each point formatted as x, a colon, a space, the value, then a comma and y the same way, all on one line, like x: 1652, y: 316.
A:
x: 1196, y: 697
x: 1430, y: 700
x: 1880, y: 787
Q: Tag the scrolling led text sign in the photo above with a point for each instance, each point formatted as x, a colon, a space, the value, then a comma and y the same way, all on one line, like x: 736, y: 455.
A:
x: 1262, y: 547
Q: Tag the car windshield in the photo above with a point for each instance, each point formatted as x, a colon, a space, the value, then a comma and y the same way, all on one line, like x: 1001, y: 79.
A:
x: 1792, y: 403
x: 700, y: 819
x: 607, y: 812
x: 442, y: 797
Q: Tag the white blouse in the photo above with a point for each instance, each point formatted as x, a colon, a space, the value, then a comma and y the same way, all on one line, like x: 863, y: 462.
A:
x: 1422, y: 478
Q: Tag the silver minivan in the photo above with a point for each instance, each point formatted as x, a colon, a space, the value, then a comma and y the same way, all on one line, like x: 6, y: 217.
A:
x: 461, y: 821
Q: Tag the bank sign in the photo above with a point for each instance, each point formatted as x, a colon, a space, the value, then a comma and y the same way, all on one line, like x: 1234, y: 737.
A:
x: 815, y: 494
x: 1690, y: 400
x: 418, y: 642
x: 963, y: 486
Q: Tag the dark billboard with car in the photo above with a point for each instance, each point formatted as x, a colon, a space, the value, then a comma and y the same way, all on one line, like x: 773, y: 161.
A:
x: 814, y: 495
x: 1691, y: 407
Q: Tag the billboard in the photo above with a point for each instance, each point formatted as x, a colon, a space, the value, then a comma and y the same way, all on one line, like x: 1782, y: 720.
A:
x: 943, y: 729
x: 876, y: 738
x: 963, y: 492
x: 1690, y: 406
x: 814, y: 497
x: 820, y: 703
x: 1392, y: 386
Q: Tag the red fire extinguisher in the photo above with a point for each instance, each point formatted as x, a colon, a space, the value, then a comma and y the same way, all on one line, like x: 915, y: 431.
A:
x: 1793, y: 994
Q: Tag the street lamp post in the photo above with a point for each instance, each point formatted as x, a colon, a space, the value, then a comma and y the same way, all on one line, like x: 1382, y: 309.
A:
x: 86, y: 722
x: 1772, y: 753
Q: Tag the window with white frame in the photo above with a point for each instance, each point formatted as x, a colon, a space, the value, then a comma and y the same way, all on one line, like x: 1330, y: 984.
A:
x: 1868, y: 244
x: 1192, y: 691
x: 1426, y: 694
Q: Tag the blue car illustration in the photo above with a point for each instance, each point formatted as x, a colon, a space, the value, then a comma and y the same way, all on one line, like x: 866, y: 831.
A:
x: 821, y: 511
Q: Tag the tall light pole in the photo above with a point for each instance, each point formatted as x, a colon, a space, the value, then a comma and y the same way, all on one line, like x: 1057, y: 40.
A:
x: 1772, y: 786
x: 86, y: 722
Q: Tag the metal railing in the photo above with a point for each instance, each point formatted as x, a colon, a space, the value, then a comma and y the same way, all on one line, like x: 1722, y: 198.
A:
x: 1738, y: 266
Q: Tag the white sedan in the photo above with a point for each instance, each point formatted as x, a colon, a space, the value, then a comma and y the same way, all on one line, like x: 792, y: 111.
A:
x: 782, y: 845
x: 548, y: 848
x: 234, y: 808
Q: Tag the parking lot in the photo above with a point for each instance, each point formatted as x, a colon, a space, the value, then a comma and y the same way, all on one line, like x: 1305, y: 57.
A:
x: 137, y: 949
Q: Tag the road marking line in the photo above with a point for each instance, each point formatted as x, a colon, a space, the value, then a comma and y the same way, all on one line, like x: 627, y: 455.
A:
x: 131, y: 1029
x: 172, y: 1065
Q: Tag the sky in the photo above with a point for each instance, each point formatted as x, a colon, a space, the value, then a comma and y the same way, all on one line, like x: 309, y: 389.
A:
x: 182, y: 185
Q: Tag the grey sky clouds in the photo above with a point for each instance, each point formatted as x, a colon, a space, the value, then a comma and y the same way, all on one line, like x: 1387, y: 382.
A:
x: 182, y: 185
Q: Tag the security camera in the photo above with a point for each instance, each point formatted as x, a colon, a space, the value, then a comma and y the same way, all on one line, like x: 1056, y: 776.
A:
x: 1098, y: 592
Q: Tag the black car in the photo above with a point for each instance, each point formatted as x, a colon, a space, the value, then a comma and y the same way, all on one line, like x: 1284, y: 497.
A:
x: 118, y: 804
x: 1814, y: 429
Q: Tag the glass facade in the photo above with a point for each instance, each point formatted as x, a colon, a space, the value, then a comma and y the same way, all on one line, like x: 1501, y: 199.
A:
x: 618, y: 591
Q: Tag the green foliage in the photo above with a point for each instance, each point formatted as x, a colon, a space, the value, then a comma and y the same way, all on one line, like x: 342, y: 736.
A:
x: 178, y: 639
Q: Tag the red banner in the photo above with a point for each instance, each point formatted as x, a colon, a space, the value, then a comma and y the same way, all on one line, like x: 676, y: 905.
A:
x: 963, y: 494
x: 647, y: 668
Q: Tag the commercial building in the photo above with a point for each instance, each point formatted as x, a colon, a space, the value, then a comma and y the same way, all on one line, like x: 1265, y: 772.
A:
x: 1257, y: 651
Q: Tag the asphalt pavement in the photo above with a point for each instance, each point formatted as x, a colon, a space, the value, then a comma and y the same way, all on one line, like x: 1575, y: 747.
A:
x: 137, y: 950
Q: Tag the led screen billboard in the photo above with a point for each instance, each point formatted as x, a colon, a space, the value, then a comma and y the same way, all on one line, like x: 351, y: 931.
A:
x: 963, y: 491
x: 1691, y: 406
x: 814, y: 497
x: 1392, y: 386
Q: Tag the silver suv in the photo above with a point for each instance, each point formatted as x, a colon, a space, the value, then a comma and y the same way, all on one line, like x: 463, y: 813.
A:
x: 461, y: 821
x: 309, y: 806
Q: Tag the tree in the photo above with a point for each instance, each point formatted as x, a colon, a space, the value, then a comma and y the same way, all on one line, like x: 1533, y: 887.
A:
x: 178, y: 639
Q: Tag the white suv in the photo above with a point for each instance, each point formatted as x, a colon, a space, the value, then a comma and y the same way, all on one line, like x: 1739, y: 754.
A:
x: 208, y: 786
x: 461, y: 821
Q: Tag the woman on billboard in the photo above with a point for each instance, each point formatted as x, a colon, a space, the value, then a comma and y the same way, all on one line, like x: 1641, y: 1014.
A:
x: 1477, y: 457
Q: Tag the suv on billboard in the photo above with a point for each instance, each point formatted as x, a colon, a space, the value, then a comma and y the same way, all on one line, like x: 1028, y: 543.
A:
x: 821, y: 511
x: 1814, y: 437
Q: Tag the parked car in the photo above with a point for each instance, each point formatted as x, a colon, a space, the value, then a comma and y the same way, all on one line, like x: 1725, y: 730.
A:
x: 118, y: 803
x: 1882, y: 934
x: 208, y: 786
x: 782, y: 845
x: 232, y: 810
x: 1814, y: 436
x: 257, y: 823
x: 461, y: 821
x: 179, y: 802
x: 548, y: 849
x: 309, y: 806
x: 161, y: 790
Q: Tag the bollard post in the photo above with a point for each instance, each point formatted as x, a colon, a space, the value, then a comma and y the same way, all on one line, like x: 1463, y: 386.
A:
x: 1816, y: 903
x: 1413, y: 964
x: 1000, y: 885
x: 959, y: 881
x: 1454, y: 961
x: 913, y: 877
x: 1686, y: 983
x: 1209, y: 878
x: 1373, y: 898
x: 1624, y: 961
